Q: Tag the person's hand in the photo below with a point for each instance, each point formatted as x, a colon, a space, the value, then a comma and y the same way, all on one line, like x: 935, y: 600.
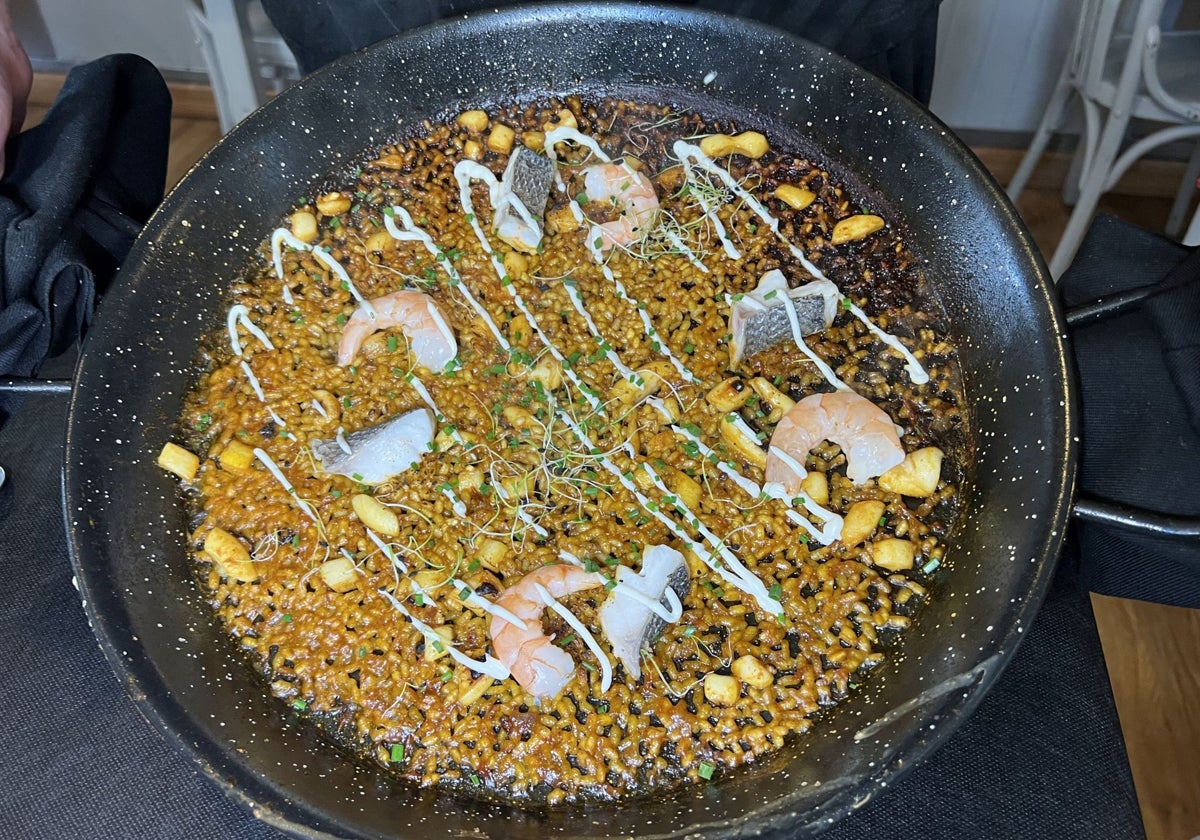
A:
x: 16, y: 77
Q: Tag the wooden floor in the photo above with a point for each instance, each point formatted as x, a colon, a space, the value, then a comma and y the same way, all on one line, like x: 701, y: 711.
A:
x: 1151, y: 650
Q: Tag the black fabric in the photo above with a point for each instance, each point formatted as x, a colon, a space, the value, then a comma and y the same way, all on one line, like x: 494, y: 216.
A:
x: 78, y: 189
x: 893, y: 39
x: 79, y: 762
x: 1140, y: 378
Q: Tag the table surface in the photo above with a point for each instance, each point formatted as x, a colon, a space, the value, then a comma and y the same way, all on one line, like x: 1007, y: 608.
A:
x: 1042, y: 756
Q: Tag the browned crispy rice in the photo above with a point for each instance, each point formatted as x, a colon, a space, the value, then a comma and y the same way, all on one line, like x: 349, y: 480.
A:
x: 591, y: 417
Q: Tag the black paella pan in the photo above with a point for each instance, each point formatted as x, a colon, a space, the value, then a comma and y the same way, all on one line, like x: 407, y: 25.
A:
x: 127, y: 524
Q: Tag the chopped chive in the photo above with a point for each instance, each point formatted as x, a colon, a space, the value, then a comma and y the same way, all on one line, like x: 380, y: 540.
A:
x: 392, y: 344
x: 706, y: 770
x: 689, y: 632
x: 286, y: 618
x: 464, y: 594
x: 565, y: 640
x: 447, y: 676
x: 589, y: 666
x: 397, y: 753
x: 582, y: 198
x: 931, y: 565
x: 299, y: 704
x: 776, y: 592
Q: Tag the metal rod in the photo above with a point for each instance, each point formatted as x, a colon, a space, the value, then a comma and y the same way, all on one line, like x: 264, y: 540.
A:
x: 18, y: 385
x: 1107, y: 307
x: 1136, y: 519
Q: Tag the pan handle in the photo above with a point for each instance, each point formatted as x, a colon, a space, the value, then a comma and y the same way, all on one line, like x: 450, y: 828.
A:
x: 1118, y: 514
x: 21, y: 385
x: 1136, y: 519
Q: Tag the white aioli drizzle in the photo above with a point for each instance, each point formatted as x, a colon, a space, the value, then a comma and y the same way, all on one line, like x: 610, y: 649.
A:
x: 342, y: 442
x: 685, y: 250
x: 411, y: 233
x: 685, y: 151
x: 558, y: 135
x: 280, y: 237
x: 460, y: 508
x: 387, y: 551
x: 287, y: 485
x: 577, y: 301
x: 427, y: 398
x: 748, y: 487
x: 606, y: 672
x: 750, y: 582
x: 275, y: 417
x: 915, y: 371
x: 320, y: 408
x: 521, y: 514
x: 832, y: 529
x: 464, y: 172
x: 254, y: 383
x: 333, y: 265
x: 239, y: 314
x: 491, y: 666
x: 487, y: 606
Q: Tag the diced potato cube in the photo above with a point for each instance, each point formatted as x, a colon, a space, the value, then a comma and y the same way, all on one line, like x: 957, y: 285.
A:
x: 304, y: 226
x: 729, y: 395
x: 174, y: 458
x: 339, y: 574
x: 861, y: 521
x: 490, y: 552
x: 855, y: 228
x: 565, y: 118
x: 815, y: 485
x: 475, y: 690
x: 379, y: 241
x: 894, y: 554
x: 428, y: 579
x: 435, y: 650
x: 721, y: 689
x: 696, y: 564
x: 470, y: 479
x: 473, y: 150
x: 750, y: 670
x: 475, y: 121
x: 523, y: 420
x: 230, y: 556
x: 533, y: 140
x: 375, y: 515
x: 795, y: 197
x: 331, y: 204
x: 517, y: 265
x: 751, y: 144
x: 917, y: 475
x: 236, y: 456
x: 685, y: 487
x: 500, y: 138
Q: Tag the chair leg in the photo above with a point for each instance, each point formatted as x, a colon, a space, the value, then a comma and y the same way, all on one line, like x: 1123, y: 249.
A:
x: 1051, y: 119
x: 1184, y: 197
x: 1091, y: 188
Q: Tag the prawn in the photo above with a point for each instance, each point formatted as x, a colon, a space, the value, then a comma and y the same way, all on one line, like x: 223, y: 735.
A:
x: 631, y: 192
x: 542, y: 668
x: 862, y: 429
x: 416, y: 314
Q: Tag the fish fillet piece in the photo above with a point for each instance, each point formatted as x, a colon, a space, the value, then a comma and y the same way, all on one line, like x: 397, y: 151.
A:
x: 628, y: 623
x: 759, y: 320
x: 526, y: 181
x: 379, y: 452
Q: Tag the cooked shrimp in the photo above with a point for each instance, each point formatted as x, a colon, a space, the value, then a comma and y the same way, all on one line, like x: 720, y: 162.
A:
x: 862, y: 429
x: 633, y: 194
x: 542, y: 668
x: 416, y: 314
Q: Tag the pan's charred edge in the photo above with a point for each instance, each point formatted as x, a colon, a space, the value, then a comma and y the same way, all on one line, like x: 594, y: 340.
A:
x: 125, y: 524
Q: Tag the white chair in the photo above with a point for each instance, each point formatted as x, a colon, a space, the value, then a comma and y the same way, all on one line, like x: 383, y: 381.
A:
x: 1119, y: 74
x: 247, y: 61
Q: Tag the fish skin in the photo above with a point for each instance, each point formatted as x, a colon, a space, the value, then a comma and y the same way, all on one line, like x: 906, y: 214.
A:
x: 532, y: 175
x: 772, y: 326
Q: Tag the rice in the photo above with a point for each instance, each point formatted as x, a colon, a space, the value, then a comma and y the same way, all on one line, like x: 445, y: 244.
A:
x: 358, y: 666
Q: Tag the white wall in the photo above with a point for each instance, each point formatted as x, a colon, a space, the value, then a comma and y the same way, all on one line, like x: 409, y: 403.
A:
x: 997, y: 61
x: 81, y: 30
